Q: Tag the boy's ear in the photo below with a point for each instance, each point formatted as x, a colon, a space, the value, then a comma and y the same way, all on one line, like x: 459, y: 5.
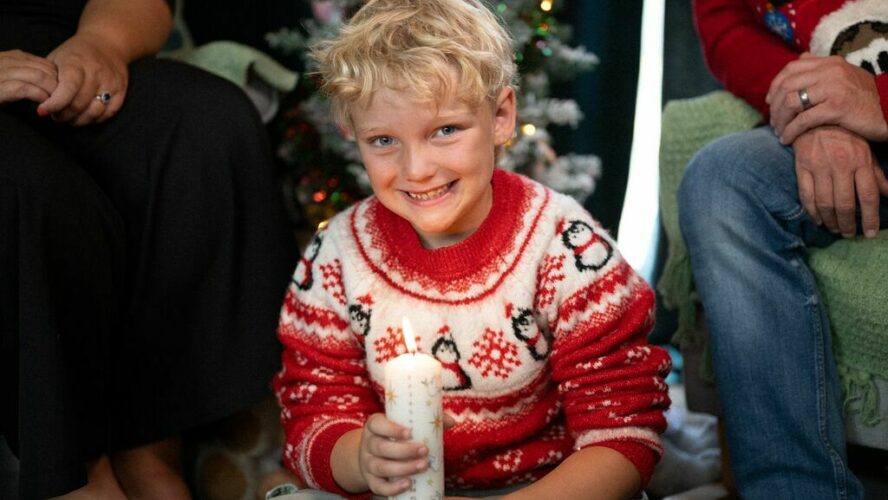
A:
x: 504, y: 116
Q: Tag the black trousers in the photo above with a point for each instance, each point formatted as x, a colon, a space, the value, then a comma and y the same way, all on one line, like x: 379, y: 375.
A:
x: 142, y: 266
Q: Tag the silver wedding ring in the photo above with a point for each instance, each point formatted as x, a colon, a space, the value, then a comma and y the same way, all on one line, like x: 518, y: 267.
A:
x: 806, y: 100
x: 103, y: 97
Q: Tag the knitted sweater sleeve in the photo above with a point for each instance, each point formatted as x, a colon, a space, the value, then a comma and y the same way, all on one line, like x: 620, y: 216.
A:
x: 741, y: 53
x: 323, y: 387
x: 610, y: 380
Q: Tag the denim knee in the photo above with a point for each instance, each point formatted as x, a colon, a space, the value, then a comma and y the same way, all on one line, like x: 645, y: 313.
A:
x: 730, y: 175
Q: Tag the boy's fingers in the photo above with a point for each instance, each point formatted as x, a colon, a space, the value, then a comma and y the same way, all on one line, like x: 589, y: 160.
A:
x: 385, y: 488
x: 396, y: 450
x: 449, y: 421
x: 380, y: 425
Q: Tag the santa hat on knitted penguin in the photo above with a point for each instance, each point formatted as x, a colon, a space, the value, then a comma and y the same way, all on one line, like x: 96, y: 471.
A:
x: 854, y: 29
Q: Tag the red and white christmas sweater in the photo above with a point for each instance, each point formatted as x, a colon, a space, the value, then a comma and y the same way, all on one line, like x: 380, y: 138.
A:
x: 538, y: 322
x: 747, y: 42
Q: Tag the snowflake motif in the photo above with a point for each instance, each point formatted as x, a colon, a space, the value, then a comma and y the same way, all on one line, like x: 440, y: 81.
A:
x: 522, y: 479
x: 640, y: 353
x: 470, y: 458
x: 547, y: 276
x: 509, y: 461
x: 494, y: 355
x: 300, y: 358
x: 389, y: 346
x: 607, y: 403
x: 323, y: 373
x: 303, y: 393
x: 552, y: 412
x: 343, y: 403
x: 553, y: 457
x: 556, y: 433
x: 332, y: 280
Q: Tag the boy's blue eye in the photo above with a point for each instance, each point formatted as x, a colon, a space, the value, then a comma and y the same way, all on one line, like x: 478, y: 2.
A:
x: 448, y: 130
x: 382, y: 141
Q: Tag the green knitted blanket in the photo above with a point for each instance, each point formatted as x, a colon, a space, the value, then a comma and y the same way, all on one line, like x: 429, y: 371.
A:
x: 852, y: 275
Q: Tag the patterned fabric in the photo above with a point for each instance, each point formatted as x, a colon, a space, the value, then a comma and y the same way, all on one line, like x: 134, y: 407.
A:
x: 538, y: 322
x: 747, y: 42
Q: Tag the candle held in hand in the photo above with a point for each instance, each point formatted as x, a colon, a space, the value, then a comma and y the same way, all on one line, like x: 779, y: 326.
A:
x: 413, y: 399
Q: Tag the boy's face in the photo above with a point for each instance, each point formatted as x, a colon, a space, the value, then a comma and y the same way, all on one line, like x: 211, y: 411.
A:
x: 432, y: 164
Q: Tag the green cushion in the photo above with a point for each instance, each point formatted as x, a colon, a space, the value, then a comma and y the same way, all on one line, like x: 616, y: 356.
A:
x: 852, y: 274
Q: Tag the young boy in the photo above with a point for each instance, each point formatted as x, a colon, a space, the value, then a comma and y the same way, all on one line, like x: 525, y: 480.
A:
x: 539, y: 324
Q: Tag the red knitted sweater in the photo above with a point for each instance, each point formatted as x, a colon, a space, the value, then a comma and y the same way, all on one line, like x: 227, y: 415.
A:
x: 747, y: 42
x: 539, y: 324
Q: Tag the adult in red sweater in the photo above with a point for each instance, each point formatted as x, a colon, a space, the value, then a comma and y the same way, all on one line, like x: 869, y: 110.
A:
x: 539, y: 324
x: 751, y: 203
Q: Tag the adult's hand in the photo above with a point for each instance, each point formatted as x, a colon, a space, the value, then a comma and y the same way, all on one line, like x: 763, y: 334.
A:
x: 836, y: 171
x: 25, y: 76
x: 840, y: 93
x: 87, y: 67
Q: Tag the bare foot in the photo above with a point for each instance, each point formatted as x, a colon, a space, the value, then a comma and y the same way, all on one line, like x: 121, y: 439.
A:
x: 101, y: 483
x: 152, y: 471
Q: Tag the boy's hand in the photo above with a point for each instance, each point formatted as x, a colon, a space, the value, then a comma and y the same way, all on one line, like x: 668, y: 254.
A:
x: 387, y: 457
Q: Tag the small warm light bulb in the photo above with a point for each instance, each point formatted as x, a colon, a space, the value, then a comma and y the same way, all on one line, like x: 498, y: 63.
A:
x: 323, y: 224
x: 546, y: 5
x: 407, y: 331
x: 528, y: 129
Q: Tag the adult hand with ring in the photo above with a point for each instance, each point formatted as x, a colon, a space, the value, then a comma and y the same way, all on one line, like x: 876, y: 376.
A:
x: 805, y: 99
x: 92, y: 81
x: 815, y: 91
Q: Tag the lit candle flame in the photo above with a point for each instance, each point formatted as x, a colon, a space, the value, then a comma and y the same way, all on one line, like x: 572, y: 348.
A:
x: 407, y: 331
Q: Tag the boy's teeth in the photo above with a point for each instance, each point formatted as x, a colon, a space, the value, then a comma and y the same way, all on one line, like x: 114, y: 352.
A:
x: 428, y: 195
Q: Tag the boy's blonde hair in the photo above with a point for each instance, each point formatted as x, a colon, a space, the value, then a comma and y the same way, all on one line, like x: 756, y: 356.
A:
x: 416, y: 46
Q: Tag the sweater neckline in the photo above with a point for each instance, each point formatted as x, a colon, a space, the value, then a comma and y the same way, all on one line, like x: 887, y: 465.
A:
x: 472, y: 266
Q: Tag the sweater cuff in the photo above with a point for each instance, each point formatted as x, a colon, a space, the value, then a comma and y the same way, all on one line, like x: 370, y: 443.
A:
x: 318, y: 454
x: 882, y: 86
x: 642, y: 457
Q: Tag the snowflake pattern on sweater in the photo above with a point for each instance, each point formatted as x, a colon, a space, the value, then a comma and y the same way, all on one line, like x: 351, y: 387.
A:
x: 539, y: 324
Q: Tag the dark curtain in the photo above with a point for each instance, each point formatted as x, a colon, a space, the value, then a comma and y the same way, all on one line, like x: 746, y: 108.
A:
x: 684, y: 72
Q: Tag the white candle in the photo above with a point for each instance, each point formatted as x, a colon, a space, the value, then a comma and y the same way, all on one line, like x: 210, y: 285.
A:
x: 413, y: 399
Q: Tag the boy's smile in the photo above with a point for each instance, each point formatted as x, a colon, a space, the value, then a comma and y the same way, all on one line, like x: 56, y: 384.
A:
x: 431, y: 163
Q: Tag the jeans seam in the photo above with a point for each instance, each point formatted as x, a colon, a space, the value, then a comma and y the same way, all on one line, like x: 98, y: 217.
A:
x: 818, y: 316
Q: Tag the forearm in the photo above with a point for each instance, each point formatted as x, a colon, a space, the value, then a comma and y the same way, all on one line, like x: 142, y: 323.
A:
x: 593, y: 472
x: 133, y: 28
x: 344, y: 462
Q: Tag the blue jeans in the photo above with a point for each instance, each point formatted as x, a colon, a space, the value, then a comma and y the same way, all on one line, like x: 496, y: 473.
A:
x: 747, y: 236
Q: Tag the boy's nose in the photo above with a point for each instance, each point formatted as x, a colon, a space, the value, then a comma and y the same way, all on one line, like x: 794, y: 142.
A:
x: 418, y: 165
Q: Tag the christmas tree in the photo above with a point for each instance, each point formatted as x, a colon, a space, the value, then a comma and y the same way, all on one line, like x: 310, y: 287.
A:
x: 324, y: 168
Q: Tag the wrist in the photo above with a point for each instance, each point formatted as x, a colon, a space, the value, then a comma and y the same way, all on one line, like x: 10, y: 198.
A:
x: 345, y: 464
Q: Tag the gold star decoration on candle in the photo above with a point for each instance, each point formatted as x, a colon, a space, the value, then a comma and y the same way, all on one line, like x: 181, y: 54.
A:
x: 438, y: 423
x: 390, y: 395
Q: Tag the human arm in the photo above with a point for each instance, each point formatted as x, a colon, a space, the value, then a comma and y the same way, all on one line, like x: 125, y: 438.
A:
x: 323, y: 387
x: 841, y: 94
x: 609, y: 380
x: 25, y: 76
x: 110, y: 35
x: 741, y: 53
x: 836, y: 170
x: 598, y: 469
